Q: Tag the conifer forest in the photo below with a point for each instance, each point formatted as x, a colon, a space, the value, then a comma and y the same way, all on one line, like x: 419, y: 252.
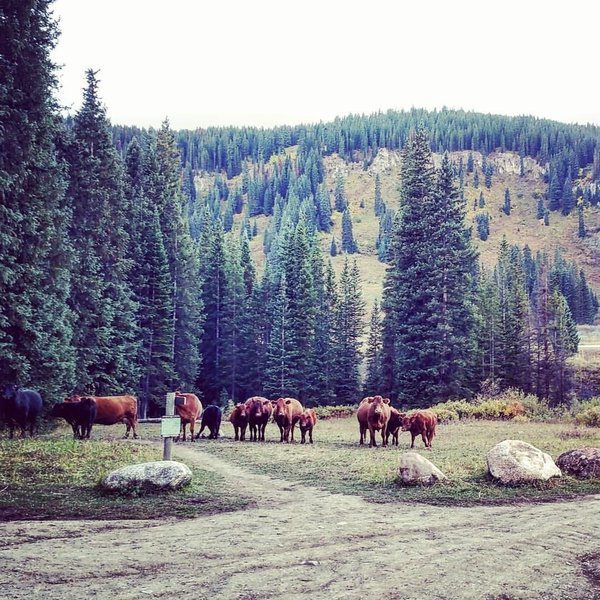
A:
x: 146, y: 260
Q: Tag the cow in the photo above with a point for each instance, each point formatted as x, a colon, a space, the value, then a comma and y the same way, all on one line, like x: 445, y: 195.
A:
x: 79, y: 415
x: 286, y: 413
x: 393, y: 427
x: 421, y: 422
x: 114, y: 409
x: 259, y: 412
x: 189, y: 408
x: 20, y: 407
x: 375, y: 412
x: 239, y: 419
x: 306, y: 422
x: 211, y: 418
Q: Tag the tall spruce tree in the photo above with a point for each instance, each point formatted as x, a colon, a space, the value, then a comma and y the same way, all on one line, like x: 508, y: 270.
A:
x: 373, y: 354
x: 105, y: 328
x: 35, y: 250
x: 428, y: 312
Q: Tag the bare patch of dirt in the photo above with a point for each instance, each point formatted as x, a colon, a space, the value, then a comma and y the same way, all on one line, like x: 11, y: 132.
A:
x: 302, y: 542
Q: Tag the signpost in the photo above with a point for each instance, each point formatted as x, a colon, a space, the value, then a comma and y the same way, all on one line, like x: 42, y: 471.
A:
x: 169, y: 425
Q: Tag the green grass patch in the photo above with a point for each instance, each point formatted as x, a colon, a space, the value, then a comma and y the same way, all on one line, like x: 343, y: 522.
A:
x: 337, y: 462
x: 46, y: 478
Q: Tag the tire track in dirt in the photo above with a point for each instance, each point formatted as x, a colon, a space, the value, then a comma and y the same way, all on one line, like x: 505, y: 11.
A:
x: 298, y: 542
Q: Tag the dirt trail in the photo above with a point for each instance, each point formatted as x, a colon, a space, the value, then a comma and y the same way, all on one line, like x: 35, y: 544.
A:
x: 301, y: 542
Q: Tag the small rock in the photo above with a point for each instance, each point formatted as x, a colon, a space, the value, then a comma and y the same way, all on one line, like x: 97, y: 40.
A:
x: 581, y: 462
x: 414, y: 469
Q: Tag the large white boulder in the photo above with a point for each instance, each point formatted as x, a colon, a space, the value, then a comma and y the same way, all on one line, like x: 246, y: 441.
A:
x: 514, y: 461
x: 414, y: 469
x: 163, y: 474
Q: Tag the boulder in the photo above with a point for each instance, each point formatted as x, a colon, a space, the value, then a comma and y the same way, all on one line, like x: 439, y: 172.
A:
x: 514, y: 461
x: 417, y: 470
x: 159, y: 475
x: 581, y: 462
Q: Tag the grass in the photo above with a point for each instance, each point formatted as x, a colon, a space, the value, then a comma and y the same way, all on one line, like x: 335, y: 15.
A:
x: 54, y: 477
x: 337, y: 463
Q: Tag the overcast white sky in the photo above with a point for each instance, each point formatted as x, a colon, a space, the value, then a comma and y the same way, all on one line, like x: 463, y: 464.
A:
x: 272, y: 62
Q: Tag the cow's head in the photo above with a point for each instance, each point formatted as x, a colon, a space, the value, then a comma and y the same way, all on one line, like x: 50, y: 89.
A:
x: 241, y: 409
x: 405, y: 421
x: 279, y: 406
x: 305, y: 420
x: 58, y: 410
x: 73, y: 399
x: 377, y: 403
x: 9, y: 391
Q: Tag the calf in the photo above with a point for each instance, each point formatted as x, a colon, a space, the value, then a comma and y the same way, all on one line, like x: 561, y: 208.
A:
x: 79, y: 415
x: 211, y: 418
x: 286, y: 413
x: 189, y: 408
x: 239, y: 420
x: 421, y: 422
x: 306, y: 422
x: 20, y: 407
x: 393, y: 427
x: 259, y: 413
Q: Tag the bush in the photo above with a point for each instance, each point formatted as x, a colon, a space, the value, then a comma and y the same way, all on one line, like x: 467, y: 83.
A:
x: 444, y: 414
x: 334, y: 412
x: 588, y: 412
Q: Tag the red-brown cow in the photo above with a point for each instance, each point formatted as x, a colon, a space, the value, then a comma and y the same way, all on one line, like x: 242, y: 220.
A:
x: 421, y: 422
x: 393, y: 427
x: 259, y: 412
x: 239, y: 420
x: 377, y: 419
x: 361, y: 414
x: 189, y: 408
x: 286, y: 412
x: 306, y: 422
x: 114, y: 409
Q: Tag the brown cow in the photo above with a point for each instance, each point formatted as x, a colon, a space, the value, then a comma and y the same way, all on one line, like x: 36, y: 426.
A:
x: 259, y: 412
x: 239, y: 420
x: 377, y: 419
x: 114, y: 409
x: 362, y: 414
x: 286, y: 413
x: 189, y: 408
x: 393, y: 427
x: 306, y: 422
x: 421, y: 422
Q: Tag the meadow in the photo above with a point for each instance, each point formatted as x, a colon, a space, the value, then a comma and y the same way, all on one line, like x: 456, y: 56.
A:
x: 55, y: 477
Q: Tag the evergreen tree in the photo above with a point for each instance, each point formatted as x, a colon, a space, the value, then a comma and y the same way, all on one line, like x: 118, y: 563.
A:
x: 348, y: 331
x: 481, y: 200
x: 373, y: 355
x: 483, y: 226
x: 555, y: 191
x: 506, y: 207
x: 105, y: 328
x: 348, y: 242
x: 546, y: 217
x: 476, y: 179
x: 35, y: 249
x: 540, y: 209
x: 488, y: 172
x: 379, y: 203
x: 333, y: 248
x: 568, y: 198
x: 340, y: 195
x: 581, y: 232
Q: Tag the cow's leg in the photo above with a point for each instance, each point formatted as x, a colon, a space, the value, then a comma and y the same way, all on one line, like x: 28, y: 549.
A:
x: 236, y: 437
x: 384, y: 436
x: 373, y: 441
x: 424, y: 438
x: 310, y: 435
x: 363, y: 434
x: 414, y: 435
x: 303, y: 434
x: 243, y: 432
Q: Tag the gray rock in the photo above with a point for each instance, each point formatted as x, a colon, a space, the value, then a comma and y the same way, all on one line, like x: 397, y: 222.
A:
x: 514, y: 461
x: 417, y: 470
x: 581, y: 462
x: 164, y: 474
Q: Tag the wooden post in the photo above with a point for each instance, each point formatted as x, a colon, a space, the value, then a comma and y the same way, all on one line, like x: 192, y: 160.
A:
x: 169, y: 412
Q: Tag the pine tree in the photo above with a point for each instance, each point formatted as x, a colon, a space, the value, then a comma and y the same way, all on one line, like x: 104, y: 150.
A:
x: 348, y: 242
x: 379, y: 205
x: 506, y: 207
x: 483, y: 226
x: 476, y: 179
x: 488, y: 172
x: 481, y: 200
x: 35, y: 249
x: 373, y: 354
x: 568, y: 198
x: 581, y: 231
x: 105, y: 328
x: 333, y: 248
x: 540, y: 209
x: 340, y: 195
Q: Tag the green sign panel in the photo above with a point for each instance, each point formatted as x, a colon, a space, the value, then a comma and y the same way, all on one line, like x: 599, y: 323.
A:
x: 170, y: 426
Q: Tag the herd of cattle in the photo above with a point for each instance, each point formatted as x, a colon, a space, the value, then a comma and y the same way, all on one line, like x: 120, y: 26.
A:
x: 22, y: 408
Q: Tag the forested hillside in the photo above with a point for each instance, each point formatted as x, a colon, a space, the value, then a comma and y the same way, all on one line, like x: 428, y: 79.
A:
x: 423, y: 255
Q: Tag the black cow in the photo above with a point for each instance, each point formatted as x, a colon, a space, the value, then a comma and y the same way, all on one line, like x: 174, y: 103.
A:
x: 20, y: 407
x: 79, y: 415
x: 211, y: 418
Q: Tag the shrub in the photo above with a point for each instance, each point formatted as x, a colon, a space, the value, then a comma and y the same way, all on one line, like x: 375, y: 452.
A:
x: 589, y: 417
x: 333, y: 412
x: 444, y: 414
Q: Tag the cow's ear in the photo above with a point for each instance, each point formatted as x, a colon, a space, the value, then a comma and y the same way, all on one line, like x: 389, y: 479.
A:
x: 288, y: 401
x: 266, y: 402
x: 386, y: 400
x: 370, y: 400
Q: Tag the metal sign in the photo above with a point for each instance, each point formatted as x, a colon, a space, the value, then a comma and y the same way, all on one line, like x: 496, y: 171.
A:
x: 170, y: 426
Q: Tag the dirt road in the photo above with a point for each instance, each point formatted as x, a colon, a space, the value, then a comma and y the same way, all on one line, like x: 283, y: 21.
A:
x: 301, y: 542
